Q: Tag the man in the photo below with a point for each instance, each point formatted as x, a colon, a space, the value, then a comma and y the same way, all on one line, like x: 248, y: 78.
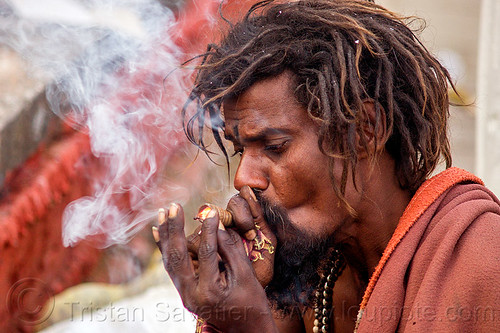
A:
x: 339, y: 115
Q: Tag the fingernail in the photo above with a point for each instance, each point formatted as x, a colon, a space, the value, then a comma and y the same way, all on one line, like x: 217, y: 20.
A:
x: 161, y: 215
x: 253, y: 195
x: 221, y: 226
x: 251, y: 234
x: 211, y: 213
x: 156, y: 234
x: 173, y: 210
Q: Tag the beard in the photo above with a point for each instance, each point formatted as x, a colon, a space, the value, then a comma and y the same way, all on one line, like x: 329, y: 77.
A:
x: 299, y: 261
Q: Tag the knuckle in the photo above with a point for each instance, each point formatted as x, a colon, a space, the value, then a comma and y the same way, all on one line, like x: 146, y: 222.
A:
x: 257, y: 209
x: 205, y: 251
x: 259, y: 219
x: 174, y: 259
x: 236, y: 199
x: 172, y: 227
x: 237, y: 204
x: 209, y: 231
x: 232, y: 240
x: 242, y: 217
x: 245, y: 224
x: 208, y: 227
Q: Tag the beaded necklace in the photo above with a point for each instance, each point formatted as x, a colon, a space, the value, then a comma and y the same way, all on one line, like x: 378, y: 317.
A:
x: 323, y: 304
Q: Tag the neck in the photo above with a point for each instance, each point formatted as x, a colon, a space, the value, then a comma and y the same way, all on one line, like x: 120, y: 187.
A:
x: 379, y: 204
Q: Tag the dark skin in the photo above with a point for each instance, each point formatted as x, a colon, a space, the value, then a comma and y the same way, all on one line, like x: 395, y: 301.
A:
x: 280, y: 157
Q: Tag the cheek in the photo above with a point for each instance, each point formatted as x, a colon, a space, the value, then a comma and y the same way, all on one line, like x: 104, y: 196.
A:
x: 289, y: 187
x: 303, y: 180
x: 304, y: 188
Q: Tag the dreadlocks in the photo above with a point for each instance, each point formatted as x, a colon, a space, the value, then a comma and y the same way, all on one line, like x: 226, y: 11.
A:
x: 342, y: 53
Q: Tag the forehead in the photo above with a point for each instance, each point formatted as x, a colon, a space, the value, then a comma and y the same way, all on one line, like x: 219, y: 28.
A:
x: 267, y: 105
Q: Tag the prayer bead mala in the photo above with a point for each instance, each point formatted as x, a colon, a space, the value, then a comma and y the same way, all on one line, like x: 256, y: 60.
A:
x: 323, y: 308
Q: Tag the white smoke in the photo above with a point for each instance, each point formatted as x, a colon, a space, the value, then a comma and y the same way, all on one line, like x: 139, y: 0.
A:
x: 107, y: 61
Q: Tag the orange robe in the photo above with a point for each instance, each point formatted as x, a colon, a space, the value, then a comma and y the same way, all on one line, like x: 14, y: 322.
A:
x: 441, y: 269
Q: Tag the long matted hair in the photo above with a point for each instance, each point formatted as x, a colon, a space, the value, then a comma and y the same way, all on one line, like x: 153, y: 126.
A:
x: 341, y: 53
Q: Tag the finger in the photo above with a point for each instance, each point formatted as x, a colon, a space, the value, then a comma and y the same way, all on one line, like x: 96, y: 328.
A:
x: 173, y: 244
x: 208, y: 266
x: 156, y: 235
x: 193, y: 243
x: 255, y: 209
x: 154, y: 229
x: 242, y: 216
x: 233, y: 254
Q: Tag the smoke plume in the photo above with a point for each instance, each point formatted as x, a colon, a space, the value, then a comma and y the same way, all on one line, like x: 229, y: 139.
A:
x: 113, y: 68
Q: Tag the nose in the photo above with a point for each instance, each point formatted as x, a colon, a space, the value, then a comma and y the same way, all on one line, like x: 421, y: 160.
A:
x: 251, y: 172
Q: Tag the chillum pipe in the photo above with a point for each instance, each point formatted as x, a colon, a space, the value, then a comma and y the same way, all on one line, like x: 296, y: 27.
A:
x: 225, y: 216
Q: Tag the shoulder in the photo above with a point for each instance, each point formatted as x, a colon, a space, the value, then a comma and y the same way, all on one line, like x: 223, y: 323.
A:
x: 469, y: 196
x: 462, y: 242
x: 465, y: 222
x: 462, y: 207
x: 456, y: 268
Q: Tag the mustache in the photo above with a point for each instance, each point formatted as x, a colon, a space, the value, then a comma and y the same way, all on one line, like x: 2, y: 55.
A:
x: 275, y: 216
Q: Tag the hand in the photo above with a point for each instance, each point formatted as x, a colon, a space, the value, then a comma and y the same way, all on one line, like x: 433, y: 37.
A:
x: 247, y: 214
x: 225, y: 291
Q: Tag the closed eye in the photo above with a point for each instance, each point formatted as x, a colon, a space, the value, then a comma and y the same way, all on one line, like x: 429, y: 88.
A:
x: 277, y: 148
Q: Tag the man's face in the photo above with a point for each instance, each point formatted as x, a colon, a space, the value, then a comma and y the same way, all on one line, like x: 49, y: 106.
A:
x: 281, y: 161
x: 280, y: 157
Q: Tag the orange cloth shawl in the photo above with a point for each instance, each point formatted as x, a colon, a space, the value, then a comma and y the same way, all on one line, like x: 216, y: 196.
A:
x: 440, y: 271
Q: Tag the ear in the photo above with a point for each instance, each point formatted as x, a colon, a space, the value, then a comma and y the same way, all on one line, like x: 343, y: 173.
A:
x: 372, y: 133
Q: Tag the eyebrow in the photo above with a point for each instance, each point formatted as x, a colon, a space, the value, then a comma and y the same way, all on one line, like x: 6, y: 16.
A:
x: 259, y: 136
